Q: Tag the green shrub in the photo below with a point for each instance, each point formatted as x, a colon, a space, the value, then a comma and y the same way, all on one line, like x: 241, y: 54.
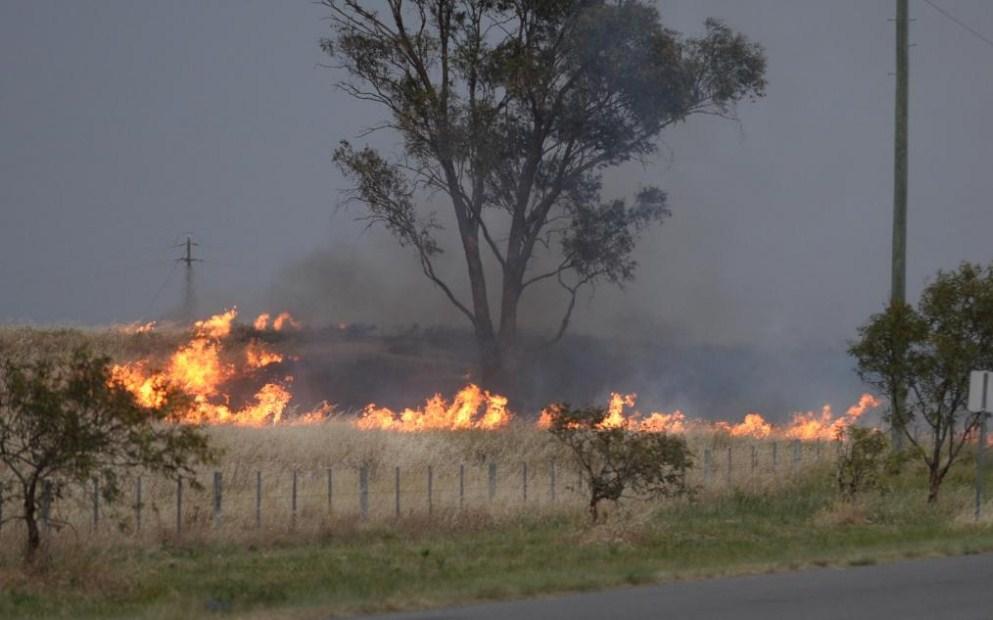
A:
x: 861, y: 461
x: 616, y: 460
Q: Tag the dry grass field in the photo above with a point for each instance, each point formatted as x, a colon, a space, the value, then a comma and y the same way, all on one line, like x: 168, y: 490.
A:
x: 447, y: 516
x: 516, y: 471
x: 304, y: 477
x: 332, y: 563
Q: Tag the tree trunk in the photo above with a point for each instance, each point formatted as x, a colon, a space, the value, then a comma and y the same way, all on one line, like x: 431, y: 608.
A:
x: 934, y: 485
x: 490, y: 360
x: 31, y: 521
x: 594, y: 513
x: 503, y: 376
x: 498, y: 364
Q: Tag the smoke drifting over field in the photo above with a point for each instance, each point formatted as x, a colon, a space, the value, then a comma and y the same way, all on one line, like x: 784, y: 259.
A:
x: 213, y: 119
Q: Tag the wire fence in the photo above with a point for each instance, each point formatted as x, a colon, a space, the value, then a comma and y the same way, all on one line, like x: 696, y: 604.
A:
x: 242, y: 498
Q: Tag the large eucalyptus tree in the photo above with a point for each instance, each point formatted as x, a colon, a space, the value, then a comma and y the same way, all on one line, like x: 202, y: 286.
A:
x: 511, y: 111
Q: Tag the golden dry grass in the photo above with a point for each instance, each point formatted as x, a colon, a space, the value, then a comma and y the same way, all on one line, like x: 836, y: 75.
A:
x: 258, y: 466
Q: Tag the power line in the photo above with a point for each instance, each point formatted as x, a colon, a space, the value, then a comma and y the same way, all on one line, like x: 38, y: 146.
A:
x: 155, y: 298
x: 950, y: 17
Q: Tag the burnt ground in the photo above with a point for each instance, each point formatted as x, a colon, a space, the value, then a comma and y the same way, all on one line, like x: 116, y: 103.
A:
x: 355, y: 366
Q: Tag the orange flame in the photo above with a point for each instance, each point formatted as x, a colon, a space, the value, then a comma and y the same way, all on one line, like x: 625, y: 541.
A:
x: 471, y: 408
x: 136, y: 328
x: 809, y: 426
x: 805, y: 426
x: 655, y: 422
x: 261, y: 322
x: 615, y: 410
x: 319, y: 414
x: 217, y: 326
x: 257, y: 356
x: 200, y: 369
x: 754, y: 425
x: 284, y: 321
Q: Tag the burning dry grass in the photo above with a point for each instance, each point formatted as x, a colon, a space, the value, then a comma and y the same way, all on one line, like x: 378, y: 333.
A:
x: 236, y: 377
x: 765, y: 500
x: 285, y: 470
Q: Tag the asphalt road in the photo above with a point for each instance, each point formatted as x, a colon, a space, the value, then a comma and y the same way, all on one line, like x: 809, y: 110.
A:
x: 960, y: 587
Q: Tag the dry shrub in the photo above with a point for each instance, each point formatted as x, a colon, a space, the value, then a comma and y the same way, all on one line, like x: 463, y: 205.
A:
x: 80, y: 566
x: 626, y: 525
x: 842, y: 513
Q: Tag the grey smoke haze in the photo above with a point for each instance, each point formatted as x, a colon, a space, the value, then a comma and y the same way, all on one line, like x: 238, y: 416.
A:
x: 126, y: 124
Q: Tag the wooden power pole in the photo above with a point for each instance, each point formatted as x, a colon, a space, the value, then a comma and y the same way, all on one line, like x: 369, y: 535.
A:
x: 898, y: 293
x: 898, y: 278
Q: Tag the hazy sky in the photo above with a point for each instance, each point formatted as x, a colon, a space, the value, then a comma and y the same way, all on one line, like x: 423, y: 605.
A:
x: 126, y: 124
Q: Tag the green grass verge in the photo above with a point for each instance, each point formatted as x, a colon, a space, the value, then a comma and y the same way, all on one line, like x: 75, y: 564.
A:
x: 474, y: 558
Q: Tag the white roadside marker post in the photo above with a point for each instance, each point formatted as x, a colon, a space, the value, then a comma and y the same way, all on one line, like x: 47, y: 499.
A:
x: 980, y: 397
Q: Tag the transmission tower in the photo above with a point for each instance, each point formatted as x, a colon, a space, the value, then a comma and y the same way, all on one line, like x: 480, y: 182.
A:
x: 189, y: 294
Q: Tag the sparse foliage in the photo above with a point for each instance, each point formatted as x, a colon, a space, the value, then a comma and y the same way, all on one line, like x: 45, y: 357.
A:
x: 929, y: 351
x: 512, y: 110
x: 65, y: 420
x: 861, y: 460
x: 617, y: 460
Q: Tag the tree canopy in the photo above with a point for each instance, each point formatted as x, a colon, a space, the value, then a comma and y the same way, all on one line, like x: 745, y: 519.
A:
x: 511, y: 110
x: 63, y: 419
x: 927, y: 352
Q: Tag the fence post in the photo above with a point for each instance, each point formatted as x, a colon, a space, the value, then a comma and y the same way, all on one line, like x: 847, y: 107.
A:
x: 397, y: 494
x: 706, y: 466
x: 364, y: 492
x: 729, y: 467
x: 46, y: 504
x: 461, y: 485
x: 775, y: 456
x: 179, y: 505
x: 293, y: 502
x: 551, y: 480
x: 96, y: 504
x: 217, y: 499
x: 137, y: 504
x: 258, y: 500
x: 492, y: 481
x: 796, y: 455
x: 430, y: 490
x: 330, y: 490
x: 755, y: 458
x: 820, y: 449
x: 524, y: 483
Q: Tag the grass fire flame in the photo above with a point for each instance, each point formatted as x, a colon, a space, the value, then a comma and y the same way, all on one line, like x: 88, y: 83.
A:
x: 202, y: 367
x: 211, y: 359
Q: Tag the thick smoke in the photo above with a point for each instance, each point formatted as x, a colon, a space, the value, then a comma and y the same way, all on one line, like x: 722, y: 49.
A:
x: 777, y: 249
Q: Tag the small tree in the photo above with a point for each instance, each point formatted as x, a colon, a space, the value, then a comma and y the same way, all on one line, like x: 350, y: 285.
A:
x: 65, y: 420
x: 928, y: 353
x: 617, y: 459
x: 860, y: 460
